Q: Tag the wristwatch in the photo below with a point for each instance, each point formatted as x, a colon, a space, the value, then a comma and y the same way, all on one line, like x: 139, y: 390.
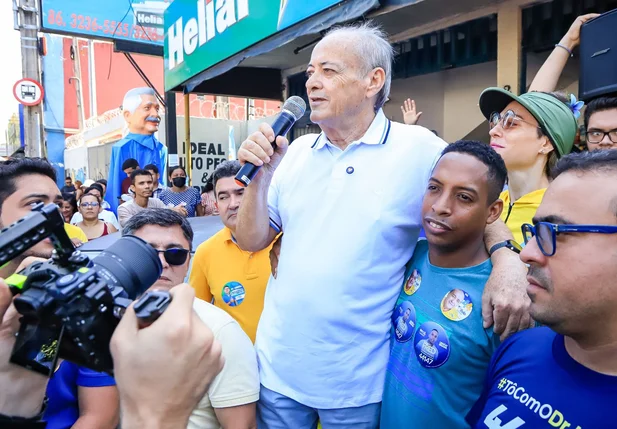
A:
x: 510, y: 244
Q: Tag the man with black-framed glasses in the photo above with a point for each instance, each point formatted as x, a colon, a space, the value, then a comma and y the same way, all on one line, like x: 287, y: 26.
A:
x: 232, y: 395
x: 558, y: 373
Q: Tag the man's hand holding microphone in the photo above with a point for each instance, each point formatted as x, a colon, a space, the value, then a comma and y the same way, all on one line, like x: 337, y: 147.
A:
x: 260, y: 155
x: 266, y: 147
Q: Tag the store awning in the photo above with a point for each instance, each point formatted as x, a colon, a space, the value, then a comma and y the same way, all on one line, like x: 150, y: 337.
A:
x: 202, y: 43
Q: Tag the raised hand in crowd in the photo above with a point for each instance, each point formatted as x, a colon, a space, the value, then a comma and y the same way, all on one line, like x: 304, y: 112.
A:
x: 547, y: 77
x: 410, y: 114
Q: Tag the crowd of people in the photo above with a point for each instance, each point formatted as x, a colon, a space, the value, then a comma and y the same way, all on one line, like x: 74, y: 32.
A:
x: 318, y: 303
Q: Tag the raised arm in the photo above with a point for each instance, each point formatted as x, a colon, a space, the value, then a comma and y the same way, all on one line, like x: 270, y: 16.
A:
x: 253, y: 229
x: 547, y: 77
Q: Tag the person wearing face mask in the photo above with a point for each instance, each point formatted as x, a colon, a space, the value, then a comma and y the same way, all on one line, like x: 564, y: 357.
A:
x: 530, y: 132
x: 181, y: 195
x: 140, y: 109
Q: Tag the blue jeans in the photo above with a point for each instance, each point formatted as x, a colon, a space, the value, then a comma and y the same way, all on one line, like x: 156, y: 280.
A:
x: 276, y: 411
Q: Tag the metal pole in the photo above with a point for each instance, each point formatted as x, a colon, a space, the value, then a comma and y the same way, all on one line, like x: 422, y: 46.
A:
x: 187, y: 135
x: 31, y: 68
x: 92, y: 69
x: 171, y: 127
x: 81, y: 116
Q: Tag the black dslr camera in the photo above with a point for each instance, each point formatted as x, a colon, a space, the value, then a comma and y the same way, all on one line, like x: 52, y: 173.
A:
x: 70, y: 305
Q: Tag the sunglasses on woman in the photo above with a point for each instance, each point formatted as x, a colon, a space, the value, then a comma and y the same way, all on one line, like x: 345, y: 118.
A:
x: 175, y: 255
x: 546, y: 233
x: 508, y: 119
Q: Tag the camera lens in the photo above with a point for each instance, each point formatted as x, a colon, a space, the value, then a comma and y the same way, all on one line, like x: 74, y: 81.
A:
x: 130, y: 263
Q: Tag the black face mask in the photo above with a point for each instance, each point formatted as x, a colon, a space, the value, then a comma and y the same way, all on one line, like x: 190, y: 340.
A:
x: 179, y: 182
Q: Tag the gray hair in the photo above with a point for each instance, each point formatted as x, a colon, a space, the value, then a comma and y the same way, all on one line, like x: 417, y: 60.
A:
x: 132, y: 99
x: 373, y: 48
x: 162, y: 217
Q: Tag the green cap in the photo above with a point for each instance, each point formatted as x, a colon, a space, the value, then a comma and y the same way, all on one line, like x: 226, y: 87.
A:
x: 554, y: 116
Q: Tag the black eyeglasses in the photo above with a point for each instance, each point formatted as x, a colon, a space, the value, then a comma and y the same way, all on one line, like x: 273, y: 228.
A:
x: 546, y: 233
x: 175, y: 255
x: 596, y: 136
x: 506, y: 120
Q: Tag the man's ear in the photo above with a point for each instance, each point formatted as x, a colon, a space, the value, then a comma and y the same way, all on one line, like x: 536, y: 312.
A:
x: 494, y: 211
x: 377, y: 80
x: 127, y: 115
x: 132, y: 188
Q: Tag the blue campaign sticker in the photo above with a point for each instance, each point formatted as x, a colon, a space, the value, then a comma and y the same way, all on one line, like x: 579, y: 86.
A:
x: 413, y: 282
x: 432, y: 345
x: 404, y: 321
x: 456, y: 305
x: 233, y: 294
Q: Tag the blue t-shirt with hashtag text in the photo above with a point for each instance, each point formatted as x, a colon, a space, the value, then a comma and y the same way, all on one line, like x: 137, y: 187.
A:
x: 439, y: 348
x: 533, y: 382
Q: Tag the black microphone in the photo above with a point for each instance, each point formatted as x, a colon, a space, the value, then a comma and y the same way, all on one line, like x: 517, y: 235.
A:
x: 293, y: 109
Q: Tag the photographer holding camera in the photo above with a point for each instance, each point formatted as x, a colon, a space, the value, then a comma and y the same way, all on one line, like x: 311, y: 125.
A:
x: 77, y: 396
x: 24, y: 184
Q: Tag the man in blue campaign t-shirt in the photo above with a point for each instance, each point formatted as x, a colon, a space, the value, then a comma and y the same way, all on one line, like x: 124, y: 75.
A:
x: 564, y: 375
x: 77, y: 393
x: 439, y: 348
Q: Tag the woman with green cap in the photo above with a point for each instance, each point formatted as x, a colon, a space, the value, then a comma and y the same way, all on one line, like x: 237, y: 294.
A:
x: 530, y: 132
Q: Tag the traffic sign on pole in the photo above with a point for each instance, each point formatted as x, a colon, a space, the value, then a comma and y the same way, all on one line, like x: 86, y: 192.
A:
x: 28, y: 92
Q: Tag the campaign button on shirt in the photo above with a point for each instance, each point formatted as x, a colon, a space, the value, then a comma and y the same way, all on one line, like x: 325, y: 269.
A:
x: 456, y: 305
x: 432, y: 345
x: 404, y: 321
x: 233, y: 294
x: 413, y: 282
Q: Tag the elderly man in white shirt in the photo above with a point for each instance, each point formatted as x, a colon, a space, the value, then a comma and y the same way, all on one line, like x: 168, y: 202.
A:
x: 349, y: 204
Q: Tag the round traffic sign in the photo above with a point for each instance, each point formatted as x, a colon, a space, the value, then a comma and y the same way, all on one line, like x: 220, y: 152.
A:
x: 28, y: 92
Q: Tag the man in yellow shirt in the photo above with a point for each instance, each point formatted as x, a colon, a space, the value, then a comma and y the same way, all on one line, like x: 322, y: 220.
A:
x: 223, y: 274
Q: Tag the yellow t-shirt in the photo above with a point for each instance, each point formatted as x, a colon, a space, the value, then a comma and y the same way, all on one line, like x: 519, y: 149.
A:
x: 521, y: 211
x: 231, y: 278
x: 75, y: 232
